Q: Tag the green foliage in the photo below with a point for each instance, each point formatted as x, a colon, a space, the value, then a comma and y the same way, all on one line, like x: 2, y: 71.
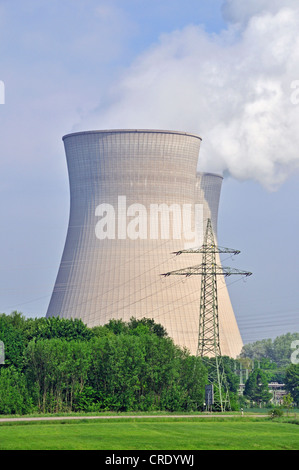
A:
x: 277, y: 351
x: 150, y: 324
x: 62, y: 365
x: 134, y: 326
x: 227, y: 367
x: 14, y: 341
x: 256, y: 387
x: 287, y: 402
x: 14, y: 395
x: 232, y: 379
x: 55, y: 370
x: 142, y: 372
x: 55, y: 364
x: 275, y: 413
x: 292, y: 381
x: 272, y: 356
x: 55, y: 327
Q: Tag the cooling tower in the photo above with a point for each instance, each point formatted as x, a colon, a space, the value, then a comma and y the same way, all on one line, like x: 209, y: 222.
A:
x: 134, y: 200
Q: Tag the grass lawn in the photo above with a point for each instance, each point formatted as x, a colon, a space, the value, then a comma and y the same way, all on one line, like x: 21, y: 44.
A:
x: 151, y: 434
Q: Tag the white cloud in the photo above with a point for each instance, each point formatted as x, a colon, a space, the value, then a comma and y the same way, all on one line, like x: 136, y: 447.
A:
x: 234, y: 89
x: 237, y: 11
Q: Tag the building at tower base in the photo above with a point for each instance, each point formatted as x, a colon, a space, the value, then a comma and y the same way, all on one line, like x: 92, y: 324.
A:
x: 135, y: 199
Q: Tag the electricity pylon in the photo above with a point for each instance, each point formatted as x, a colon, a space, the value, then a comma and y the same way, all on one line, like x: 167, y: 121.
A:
x: 208, y: 345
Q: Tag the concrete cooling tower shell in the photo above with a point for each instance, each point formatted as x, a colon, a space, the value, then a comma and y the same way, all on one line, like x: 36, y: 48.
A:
x: 134, y: 197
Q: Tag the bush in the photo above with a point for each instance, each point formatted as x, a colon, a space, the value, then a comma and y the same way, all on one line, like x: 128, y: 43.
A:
x: 14, y: 396
x: 275, y: 413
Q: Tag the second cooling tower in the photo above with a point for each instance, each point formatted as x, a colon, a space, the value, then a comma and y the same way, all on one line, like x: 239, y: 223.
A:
x: 134, y: 200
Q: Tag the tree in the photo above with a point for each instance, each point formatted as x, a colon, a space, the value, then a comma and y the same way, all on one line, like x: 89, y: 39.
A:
x: 16, y: 319
x: 287, y: 401
x: 134, y: 326
x: 256, y: 387
x: 282, y: 349
x: 277, y: 351
x: 14, y: 394
x: 292, y: 381
x: 136, y: 369
x: 257, y: 350
x: 56, y: 327
x: 153, y: 327
x: 14, y: 342
x: 116, y: 326
x: 55, y: 370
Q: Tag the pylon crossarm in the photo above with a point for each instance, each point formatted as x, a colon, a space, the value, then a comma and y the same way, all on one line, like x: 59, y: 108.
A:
x: 200, y: 269
x: 229, y: 271
x: 204, y: 269
x: 210, y: 249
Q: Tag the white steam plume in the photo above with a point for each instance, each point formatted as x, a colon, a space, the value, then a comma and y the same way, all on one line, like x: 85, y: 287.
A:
x: 237, y: 89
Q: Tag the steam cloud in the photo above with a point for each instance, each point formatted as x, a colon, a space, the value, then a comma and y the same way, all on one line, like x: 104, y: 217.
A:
x: 237, y: 89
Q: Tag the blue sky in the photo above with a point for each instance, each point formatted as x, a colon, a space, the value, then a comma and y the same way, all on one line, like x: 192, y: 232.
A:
x: 222, y: 69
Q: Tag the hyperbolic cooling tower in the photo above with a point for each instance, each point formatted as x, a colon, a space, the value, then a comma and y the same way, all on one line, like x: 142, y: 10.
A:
x: 119, y: 243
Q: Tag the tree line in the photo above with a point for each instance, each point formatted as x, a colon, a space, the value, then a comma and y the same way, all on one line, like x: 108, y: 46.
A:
x: 57, y: 365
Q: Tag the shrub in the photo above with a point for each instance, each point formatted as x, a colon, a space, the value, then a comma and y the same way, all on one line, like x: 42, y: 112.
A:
x: 275, y: 413
x: 14, y: 396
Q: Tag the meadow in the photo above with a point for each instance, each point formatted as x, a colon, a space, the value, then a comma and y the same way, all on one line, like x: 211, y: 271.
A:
x: 163, y: 433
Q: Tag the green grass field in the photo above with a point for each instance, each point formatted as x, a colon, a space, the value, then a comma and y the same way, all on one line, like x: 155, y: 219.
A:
x: 152, y: 434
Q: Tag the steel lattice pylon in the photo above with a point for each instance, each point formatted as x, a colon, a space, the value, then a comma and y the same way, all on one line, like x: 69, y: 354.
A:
x: 208, y: 335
